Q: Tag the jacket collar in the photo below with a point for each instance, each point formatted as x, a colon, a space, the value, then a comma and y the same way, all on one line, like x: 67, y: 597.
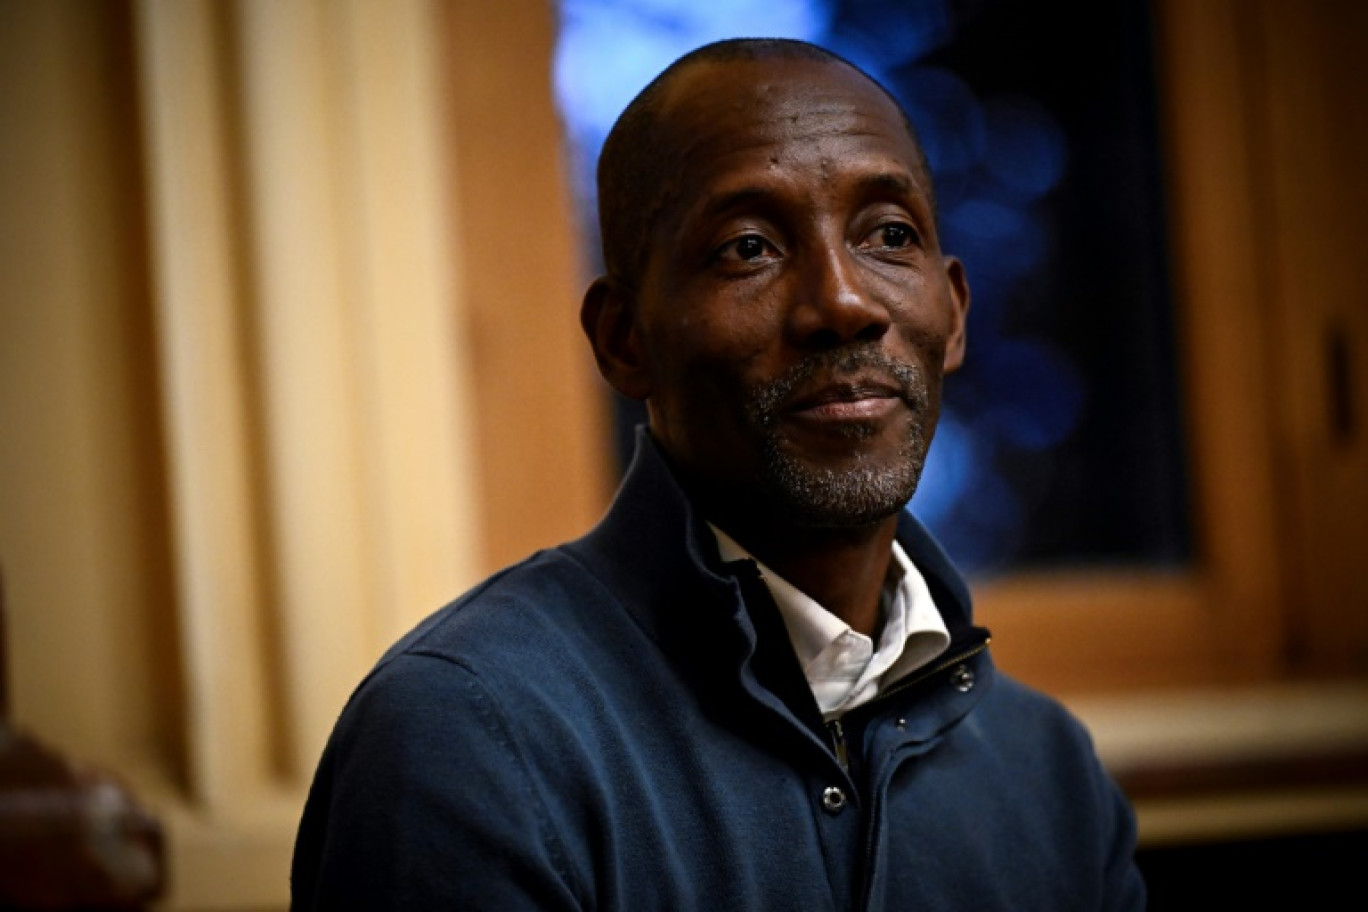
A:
x: 652, y: 544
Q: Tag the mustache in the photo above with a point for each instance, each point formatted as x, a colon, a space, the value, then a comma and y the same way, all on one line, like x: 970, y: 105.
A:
x: 765, y: 400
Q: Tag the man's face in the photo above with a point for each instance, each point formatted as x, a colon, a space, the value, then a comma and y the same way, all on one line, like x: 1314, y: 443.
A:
x: 796, y: 315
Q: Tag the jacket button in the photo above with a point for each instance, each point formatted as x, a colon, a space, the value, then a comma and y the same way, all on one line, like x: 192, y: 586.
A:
x: 833, y: 800
x: 962, y: 679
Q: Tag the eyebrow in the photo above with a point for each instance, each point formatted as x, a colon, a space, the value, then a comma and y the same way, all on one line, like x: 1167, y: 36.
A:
x: 916, y: 188
x: 881, y: 183
x: 889, y: 182
x: 739, y: 198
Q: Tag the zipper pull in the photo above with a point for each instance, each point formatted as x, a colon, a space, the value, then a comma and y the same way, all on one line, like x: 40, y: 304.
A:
x: 838, y: 743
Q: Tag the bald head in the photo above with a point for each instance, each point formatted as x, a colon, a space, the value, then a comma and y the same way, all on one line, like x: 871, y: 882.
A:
x: 642, y: 152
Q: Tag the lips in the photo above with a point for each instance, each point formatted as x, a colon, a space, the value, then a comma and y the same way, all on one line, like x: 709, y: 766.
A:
x: 849, y: 391
x: 849, y: 400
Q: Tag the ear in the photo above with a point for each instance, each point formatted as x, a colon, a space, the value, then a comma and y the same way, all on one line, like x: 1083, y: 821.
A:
x: 609, y: 318
x: 959, y: 316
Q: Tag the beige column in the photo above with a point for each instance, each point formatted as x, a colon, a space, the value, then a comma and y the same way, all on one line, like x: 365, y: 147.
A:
x: 256, y: 375
x: 315, y: 385
x: 202, y: 341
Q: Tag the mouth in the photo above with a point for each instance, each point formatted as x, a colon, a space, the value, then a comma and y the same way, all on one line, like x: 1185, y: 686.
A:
x: 863, y: 399
x: 846, y: 394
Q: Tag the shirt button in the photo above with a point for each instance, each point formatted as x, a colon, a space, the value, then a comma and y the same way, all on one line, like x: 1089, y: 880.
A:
x: 962, y: 679
x: 833, y: 799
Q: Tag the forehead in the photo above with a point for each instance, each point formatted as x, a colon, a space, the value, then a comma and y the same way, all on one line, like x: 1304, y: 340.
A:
x: 722, y: 117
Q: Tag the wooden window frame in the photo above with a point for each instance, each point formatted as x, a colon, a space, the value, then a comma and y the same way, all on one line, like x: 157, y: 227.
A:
x: 1242, y: 612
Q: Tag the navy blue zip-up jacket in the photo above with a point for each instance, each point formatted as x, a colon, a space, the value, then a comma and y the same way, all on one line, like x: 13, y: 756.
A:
x: 620, y: 723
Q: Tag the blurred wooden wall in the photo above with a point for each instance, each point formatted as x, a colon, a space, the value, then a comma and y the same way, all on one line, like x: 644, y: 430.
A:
x: 289, y: 356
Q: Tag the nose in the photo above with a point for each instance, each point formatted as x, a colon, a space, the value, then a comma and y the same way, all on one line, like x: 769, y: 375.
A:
x: 833, y: 305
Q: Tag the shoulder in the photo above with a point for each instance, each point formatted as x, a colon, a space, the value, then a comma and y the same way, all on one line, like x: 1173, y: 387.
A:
x: 1029, y: 720
x: 458, y: 742
x: 425, y: 788
x: 538, y: 606
x: 542, y: 644
x: 1042, y: 743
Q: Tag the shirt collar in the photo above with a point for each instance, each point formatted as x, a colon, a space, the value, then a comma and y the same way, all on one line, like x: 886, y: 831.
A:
x: 913, y: 634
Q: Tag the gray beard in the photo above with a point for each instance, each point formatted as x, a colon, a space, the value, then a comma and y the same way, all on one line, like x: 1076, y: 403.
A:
x: 821, y: 498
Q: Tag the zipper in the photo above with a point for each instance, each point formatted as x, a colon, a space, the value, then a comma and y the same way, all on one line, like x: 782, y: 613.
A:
x: 941, y: 666
x: 838, y: 743
x: 868, y: 860
x: 837, y: 731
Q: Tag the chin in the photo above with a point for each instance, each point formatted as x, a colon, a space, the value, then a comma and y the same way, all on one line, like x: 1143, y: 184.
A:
x: 822, y: 497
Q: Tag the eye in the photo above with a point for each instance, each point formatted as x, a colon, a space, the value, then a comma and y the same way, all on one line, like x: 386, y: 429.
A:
x: 747, y: 249
x: 892, y: 236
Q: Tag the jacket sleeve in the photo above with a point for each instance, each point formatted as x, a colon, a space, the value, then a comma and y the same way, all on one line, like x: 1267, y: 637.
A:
x: 1123, y: 888
x: 423, y: 800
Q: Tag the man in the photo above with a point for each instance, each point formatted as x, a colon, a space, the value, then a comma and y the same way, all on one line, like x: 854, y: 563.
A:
x: 756, y: 684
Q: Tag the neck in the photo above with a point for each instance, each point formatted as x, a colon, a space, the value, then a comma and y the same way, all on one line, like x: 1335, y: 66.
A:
x: 843, y: 570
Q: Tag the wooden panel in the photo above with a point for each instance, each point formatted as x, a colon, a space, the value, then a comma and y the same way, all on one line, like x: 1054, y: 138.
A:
x: 414, y: 360
x: 315, y: 393
x: 1316, y: 128
x: 1222, y: 306
x: 305, y: 372
x: 1084, y: 633
x: 207, y: 410
x: 540, y: 406
x: 83, y: 536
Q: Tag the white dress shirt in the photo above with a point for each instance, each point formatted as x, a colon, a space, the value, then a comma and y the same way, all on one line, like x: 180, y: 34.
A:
x: 844, y: 667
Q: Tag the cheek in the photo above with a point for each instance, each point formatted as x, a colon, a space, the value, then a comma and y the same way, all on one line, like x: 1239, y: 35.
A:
x: 711, y: 348
x: 926, y: 346
x: 702, y: 381
x: 925, y: 325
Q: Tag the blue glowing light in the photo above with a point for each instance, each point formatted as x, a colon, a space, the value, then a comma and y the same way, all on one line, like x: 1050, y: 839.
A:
x: 948, y: 116
x: 1025, y: 149
x: 1036, y: 395
x: 881, y: 36
x: 608, y: 50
